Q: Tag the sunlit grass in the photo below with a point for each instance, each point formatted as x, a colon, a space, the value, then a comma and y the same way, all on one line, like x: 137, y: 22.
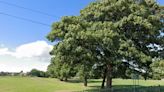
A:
x: 34, y: 84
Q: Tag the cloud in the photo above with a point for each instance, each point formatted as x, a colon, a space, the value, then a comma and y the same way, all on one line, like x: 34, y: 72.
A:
x: 35, y: 50
x: 5, y: 51
x: 13, y: 64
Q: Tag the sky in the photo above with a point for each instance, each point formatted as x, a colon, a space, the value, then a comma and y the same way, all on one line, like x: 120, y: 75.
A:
x: 24, y: 25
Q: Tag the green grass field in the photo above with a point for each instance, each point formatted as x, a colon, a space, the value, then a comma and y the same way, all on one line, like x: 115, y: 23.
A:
x: 32, y: 84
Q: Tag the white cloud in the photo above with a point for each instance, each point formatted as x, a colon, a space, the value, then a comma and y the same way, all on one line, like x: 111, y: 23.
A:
x: 13, y: 64
x: 5, y: 51
x: 25, y: 57
x: 35, y: 50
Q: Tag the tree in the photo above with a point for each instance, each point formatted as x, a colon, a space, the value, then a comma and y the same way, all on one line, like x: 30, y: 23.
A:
x: 70, y: 51
x: 137, y: 24
x: 37, y: 73
x: 80, y: 45
x: 107, y: 32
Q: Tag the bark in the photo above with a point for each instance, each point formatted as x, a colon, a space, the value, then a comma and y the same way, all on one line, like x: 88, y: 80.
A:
x: 109, y: 76
x: 104, y: 77
x: 85, y: 81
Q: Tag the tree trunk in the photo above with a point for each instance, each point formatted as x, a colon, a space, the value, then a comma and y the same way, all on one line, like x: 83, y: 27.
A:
x: 61, y: 79
x: 109, y: 76
x: 66, y: 79
x: 85, y: 81
x: 104, y: 77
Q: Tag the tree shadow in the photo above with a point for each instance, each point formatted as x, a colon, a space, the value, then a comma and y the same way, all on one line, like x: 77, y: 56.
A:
x: 115, y: 86
x: 81, y: 81
x: 94, y: 81
x: 74, y: 81
x: 118, y: 88
x: 127, y: 88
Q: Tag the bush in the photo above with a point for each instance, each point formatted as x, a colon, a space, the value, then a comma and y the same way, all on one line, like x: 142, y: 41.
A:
x: 37, y: 73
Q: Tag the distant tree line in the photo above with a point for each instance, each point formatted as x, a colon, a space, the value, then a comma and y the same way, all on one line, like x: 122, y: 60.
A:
x: 32, y: 73
x: 12, y: 73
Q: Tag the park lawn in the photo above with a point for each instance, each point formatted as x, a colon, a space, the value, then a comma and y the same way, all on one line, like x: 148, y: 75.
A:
x: 34, y: 84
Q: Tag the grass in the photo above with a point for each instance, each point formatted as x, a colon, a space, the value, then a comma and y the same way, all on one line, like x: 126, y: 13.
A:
x: 33, y: 84
x: 29, y: 84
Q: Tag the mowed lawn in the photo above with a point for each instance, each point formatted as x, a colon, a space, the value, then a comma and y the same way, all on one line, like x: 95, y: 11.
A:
x: 34, y: 84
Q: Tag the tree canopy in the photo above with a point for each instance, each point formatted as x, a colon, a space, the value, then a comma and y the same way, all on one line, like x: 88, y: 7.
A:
x: 106, y: 33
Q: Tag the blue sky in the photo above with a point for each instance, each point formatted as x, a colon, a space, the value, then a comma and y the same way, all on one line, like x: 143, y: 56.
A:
x: 16, y: 35
x: 14, y: 32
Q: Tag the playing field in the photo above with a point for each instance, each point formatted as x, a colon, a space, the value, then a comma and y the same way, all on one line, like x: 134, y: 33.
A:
x: 32, y: 84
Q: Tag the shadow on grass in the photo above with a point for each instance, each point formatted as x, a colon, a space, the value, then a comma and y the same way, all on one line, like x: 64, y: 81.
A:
x: 127, y: 88
x: 115, y: 86
x: 118, y: 88
x: 74, y: 81
x: 94, y: 81
x: 80, y: 81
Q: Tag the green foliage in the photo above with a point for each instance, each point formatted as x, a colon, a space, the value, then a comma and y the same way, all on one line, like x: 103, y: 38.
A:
x: 105, y: 33
x: 37, y: 73
x: 158, y: 69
